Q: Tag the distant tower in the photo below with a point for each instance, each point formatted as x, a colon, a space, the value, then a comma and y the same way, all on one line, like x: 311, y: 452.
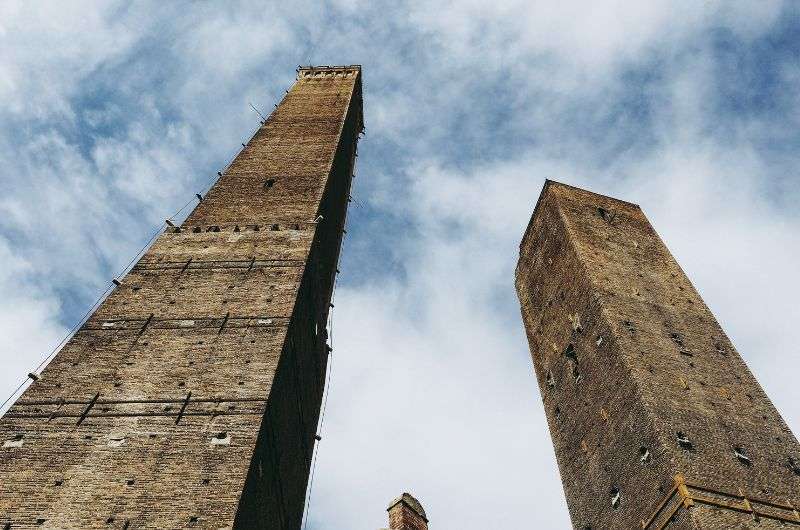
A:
x: 191, y: 397
x: 406, y: 513
x: 655, y: 418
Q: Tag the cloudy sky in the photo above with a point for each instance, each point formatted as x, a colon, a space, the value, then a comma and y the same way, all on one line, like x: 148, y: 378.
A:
x: 113, y: 115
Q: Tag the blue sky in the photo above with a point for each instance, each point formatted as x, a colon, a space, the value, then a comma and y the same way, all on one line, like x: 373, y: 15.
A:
x: 114, y: 115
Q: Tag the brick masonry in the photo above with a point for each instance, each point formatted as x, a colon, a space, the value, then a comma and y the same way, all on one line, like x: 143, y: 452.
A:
x: 655, y: 418
x: 190, y: 398
x: 406, y: 513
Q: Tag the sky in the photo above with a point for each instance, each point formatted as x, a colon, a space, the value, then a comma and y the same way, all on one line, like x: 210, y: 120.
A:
x: 113, y: 114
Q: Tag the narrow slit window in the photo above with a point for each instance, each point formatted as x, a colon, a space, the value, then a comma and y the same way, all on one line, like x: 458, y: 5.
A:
x: 615, y: 497
x: 794, y: 465
x: 16, y: 441
x: 742, y: 456
x: 683, y: 441
x: 269, y: 183
x: 606, y: 215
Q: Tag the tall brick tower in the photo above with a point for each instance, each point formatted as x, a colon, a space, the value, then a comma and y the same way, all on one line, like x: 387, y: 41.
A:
x: 655, y: 418
x: 191, y: 397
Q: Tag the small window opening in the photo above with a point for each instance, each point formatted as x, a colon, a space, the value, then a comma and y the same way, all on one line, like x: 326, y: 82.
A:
x: 607, y: 215
x: 274, y: 228
x: 193, y: 519
x: 557, y: 411
x: 197, y: 229
x: 599, y: 340
x: 794, y: 465
x: 683, y: 441
x: 206, y: 481
x: 236, y: 228
x: 59, y: 482
x: 570, y: 353
x: 550, y: 381
x: 222, y: 438
x: 130, y: 482
x: 16, y: 441
x: 644, y: 455
x: 676, y: 338
x: 269, y: 183
x: 40, y: 521
x: 615, y: 497
x: 742, y: 456
x: 110, y: 520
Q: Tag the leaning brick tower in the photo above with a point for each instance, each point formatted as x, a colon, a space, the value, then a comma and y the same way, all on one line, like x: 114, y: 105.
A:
x: 190, y: 398
x: 656, y: 420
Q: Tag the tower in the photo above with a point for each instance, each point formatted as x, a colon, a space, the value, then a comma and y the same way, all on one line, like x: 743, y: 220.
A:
x: 406, y: 513
x: 190, y: 398
x: 655, y: 418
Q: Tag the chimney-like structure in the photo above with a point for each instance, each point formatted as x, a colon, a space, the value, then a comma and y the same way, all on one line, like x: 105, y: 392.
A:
x: 406, y: 513
x: 656, y: 420
x: 191, y: 396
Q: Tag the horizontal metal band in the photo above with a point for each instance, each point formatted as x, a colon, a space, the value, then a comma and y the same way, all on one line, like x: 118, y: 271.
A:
x: 217, y: 264
x: 187, y: 322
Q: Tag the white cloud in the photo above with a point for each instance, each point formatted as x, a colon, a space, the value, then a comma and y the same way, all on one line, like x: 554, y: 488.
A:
x: 29, y: 324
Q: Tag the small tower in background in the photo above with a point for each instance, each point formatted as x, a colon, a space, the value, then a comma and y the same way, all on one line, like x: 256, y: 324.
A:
x: 406, y: 513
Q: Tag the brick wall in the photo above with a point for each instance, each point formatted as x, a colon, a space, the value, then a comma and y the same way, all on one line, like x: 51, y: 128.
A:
x: 406, y: 513
x: 191, y: 397
x: 639, y: 382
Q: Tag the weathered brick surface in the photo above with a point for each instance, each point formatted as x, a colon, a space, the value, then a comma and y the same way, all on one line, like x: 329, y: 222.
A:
x: 229, y: 310
x: 406, y: 513
x: 627, y: 356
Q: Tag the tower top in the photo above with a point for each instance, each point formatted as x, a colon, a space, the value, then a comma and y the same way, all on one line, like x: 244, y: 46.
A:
x: 553, y: 184
x: 406, y: 513
x: 322, y: 71
x: 410, y: 501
